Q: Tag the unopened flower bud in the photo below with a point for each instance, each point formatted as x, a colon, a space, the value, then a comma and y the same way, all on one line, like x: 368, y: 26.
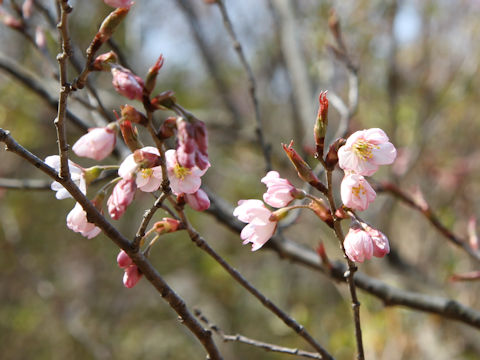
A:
x: 163, y: 100
x: 110, y: 24
x: 332, y: 156
x: 127, y: 83
x: 321, y: 251
x: 151, y: 77
x: 98, y: 143
x: 40, y: 40
x: 320, y: 128
x: 167, y: 225
x: 123, y: 260
x: 303, y: 170
x: 131, y: 276
x: 146, y: 159
x: 322, y: 211
x: 130, y: 136
x: 103, y: 62
x: 119, y: 3
x: 198, y: 201
x: 168, y: 127
x: 122, y: 196
x: 129, y: 113
x: 27, y: 8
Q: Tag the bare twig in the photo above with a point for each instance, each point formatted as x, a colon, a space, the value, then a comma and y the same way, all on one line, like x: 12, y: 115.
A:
x: 147, y: 216
x: 256, y: 343
x: 251, y: 84
x: 210, y: 61
x: 30, y: 83
x: 289, y: 321
x: 429, y: 215
x: 65, y: 88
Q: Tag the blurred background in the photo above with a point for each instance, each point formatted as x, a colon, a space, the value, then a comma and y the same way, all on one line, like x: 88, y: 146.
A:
x: 61, y: 295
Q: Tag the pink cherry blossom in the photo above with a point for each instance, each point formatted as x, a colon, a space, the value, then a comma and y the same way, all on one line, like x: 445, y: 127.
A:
x: 365, y: 150
x: 358, y: 245
x: 260, y: 228
x: 280, y: 192
x: 147, y: 179
x: 121, y: 197
x: 182, y: 179
x: 131, y: 276
x: 192, y: 144
x: 198, y: 201
x: 127, y: 83
x: 119, y: 3
x: 76, y: 174
x: 77, y: 221
x: 356, y: 192
x: 381, y: 247
x: 123, y: 260
x: 97, y: 144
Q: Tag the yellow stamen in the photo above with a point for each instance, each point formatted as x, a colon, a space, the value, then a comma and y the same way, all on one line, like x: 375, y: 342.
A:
x: 146, y: 173
x: 359, y: 190
x: 363, y: 149
x: 180, y: 171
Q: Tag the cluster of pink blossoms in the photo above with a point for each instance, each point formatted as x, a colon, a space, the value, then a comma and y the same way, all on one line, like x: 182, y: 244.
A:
x: 142, y: 170
x: 361, y: 156
x: 261, y: 221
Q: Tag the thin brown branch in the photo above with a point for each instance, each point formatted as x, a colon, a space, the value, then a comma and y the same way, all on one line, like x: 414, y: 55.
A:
x: 352, y: 268
x: 35, y: 86
x: 253, y: 342
x: 427, y: 212
x: 147, y: 216
x: 389, y: 295
x: 24, y: 184
x: 210, y: 61
x: 289, y: 321
x: 65, y: 89
x: 251, y: 84
x: 94, y: 216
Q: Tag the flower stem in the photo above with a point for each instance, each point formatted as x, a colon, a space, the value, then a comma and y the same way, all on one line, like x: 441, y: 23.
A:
x: 350, y: 273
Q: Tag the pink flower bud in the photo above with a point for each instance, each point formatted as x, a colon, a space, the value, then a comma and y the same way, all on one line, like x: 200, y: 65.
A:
x: 40, y: 40
x: 27, y: 8
x: 123, y: 260
x: 167, y: 225
x: 121, y: 197
x: 304, y: 171
x: 320, y: 128
x: 119, y: 3
x: 103, y: 62
x: 365, y: 150
x: 127, y: 83
x: 192, y: 144
x: 381, y: 247
x: 356, y: 192
x: 131, y: 276
x: 198, y: 201
x: 97, y: 144
x: 129, y: 113
x: 280, y: 192
x: 77, y: 221
x: 358, y: 245
x: 260, y: 226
